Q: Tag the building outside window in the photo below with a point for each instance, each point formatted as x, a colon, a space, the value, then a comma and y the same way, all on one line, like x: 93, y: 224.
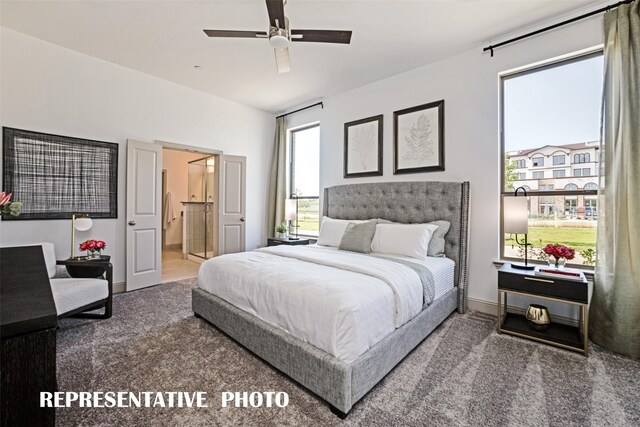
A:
x: 537, y: 161
x: 562, y: 207
x: 537, y: 175
x: 558, y: 160
x: 522, y: 163
x: 304, y: 176
x: 582, y: 158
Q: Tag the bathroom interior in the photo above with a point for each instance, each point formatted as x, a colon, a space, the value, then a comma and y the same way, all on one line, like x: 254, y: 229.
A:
x: 189, y: 220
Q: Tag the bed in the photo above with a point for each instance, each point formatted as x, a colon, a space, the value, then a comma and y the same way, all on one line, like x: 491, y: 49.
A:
x: 341, y: 365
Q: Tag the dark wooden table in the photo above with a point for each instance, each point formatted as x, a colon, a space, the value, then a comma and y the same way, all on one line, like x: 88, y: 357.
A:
x: 527, y: 283
x: 287, y: 241
x: 28, y: 322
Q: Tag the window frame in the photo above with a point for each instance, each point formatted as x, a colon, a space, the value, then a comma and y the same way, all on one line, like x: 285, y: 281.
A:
x: 533, y: 161
x: 292, y: 163
x: 553, y: 63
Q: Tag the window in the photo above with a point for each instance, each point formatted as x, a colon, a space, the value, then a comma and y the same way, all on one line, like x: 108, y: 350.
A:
x: 522, y: 175
x: 573, y: 88
x: 558, y: 160
x: 582, y: 158
x: 521, y: 164
x: 304, y: 177
x: 537, y: 175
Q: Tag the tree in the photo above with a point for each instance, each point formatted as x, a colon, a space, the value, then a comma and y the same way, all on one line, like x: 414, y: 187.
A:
x: 510, y: 176
x: 419, y: 142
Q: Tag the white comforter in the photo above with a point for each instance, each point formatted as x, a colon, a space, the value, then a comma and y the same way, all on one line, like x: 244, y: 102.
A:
x: 340, y: 302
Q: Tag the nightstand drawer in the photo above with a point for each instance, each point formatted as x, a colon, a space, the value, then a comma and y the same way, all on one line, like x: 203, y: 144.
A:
x: 545, y: 286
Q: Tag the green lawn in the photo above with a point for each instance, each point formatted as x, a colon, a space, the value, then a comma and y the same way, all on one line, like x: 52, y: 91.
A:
x: 576, y: 238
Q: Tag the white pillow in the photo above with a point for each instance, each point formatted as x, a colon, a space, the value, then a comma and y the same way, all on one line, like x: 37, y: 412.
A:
x: 410, y: 240
x: 331, y: 231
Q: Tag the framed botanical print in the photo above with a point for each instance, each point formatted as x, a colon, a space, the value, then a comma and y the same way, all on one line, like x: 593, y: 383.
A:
x: 418, y: 138
x: 363, y: 147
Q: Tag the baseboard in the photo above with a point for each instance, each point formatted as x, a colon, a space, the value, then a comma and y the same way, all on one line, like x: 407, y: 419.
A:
x: 119, y: 288
x: 173, y: 246
x: 491, y: 307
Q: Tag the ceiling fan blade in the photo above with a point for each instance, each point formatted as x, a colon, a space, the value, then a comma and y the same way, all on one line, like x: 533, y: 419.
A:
x: 282, y: 60
x: 321, y: 36
x: 233, y: 33
x: 276, y: 11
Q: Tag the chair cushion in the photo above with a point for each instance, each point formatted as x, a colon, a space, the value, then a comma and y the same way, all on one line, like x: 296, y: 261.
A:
x: 70, y: 294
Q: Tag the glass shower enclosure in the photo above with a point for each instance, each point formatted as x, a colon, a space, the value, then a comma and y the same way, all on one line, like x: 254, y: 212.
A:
x: 200, y: 218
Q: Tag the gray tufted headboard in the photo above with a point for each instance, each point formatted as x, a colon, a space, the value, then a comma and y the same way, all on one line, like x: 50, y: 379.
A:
x: 411, y: 202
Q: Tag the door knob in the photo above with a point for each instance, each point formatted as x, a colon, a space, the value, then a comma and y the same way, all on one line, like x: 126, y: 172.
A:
x: 242, y: 219
x: 132, y: 223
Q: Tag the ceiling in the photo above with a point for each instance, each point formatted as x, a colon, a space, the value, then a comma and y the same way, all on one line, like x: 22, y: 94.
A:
x: 165, y: 39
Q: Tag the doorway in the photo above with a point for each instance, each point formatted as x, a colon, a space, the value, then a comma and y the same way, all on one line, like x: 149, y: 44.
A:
x: 153, y: 215
x: 187, y: 189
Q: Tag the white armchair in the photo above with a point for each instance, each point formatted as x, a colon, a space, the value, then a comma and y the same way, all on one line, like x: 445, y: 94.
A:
x: 75, y: 296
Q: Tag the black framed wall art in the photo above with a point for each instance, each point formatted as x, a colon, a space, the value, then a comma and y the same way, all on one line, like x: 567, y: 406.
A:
x: 57, y: 176
x: 363, y: 147
x: 418, y: 138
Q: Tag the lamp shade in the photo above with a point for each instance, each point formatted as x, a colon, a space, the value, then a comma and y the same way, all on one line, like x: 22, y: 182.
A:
x: 516, y: 215
x: 83, y: 224
x: 290, y: 210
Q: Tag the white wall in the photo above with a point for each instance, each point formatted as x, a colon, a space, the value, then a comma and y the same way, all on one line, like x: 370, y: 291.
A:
x: 469, y: 84
x: 52, y: 89
x: 176, y: 165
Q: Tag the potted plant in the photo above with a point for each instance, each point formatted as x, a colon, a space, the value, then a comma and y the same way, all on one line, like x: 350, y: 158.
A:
x: 281, y: 231
x: 559, y: 253
x: 7, y: 207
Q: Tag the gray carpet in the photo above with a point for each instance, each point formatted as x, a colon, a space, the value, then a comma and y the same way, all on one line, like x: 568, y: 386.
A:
x: 464, y: 374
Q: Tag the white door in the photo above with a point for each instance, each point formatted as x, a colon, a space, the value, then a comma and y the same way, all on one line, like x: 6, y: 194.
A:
x: 144, y: 214
x: 231, y: 223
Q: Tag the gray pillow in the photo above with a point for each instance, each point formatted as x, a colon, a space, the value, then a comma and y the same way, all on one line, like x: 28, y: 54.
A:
x: 436, y: 244
x: 358, y: 237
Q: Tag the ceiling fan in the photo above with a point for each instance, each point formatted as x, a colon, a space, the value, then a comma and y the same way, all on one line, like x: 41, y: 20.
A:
x: 280, y: 35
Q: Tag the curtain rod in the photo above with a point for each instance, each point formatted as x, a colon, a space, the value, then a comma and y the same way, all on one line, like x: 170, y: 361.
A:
x: 560, y: 24
x: 301, y: 109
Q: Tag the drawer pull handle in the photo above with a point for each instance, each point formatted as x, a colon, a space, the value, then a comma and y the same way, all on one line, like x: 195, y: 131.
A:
x: 538, y: 280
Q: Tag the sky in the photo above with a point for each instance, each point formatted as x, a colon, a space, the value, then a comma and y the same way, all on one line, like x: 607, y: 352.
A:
x: 560, y: 105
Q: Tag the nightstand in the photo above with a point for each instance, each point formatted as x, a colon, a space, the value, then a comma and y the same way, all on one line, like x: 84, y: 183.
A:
x: 83, y: 267
x: 287, y: 241
x: 527, y: 283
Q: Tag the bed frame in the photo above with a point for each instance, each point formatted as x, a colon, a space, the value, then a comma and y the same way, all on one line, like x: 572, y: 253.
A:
x: 343, y: 384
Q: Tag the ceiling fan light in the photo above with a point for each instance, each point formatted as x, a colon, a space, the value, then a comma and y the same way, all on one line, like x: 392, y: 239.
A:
x: 278, y: 42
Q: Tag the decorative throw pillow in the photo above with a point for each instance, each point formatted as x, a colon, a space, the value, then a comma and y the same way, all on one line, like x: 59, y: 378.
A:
x: 410, y: 240
x: 436, y: 244
x: 358, y: 236
x: 331, y: 231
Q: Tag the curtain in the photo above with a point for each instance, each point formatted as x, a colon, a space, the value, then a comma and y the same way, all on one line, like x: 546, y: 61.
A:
x: 277, y: 180
x: 615, y: 304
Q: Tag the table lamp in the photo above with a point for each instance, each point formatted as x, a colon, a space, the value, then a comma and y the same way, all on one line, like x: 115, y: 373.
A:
x: 80, y: 223
x: 516, y: 221
x: 291, y: 214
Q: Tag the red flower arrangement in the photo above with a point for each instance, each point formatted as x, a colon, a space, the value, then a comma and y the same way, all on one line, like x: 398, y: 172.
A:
x: 559, y: 251
x: 93, y: 245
